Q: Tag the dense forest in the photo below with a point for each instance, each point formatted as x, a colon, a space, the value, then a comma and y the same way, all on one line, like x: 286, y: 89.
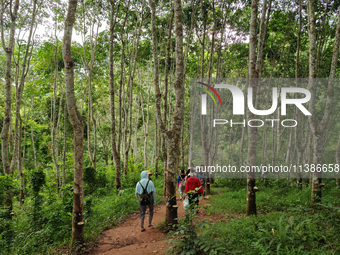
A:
x: 96, y: 91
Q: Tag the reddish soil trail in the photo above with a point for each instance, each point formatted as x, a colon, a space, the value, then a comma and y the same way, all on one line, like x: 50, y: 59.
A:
x: 127, y: 238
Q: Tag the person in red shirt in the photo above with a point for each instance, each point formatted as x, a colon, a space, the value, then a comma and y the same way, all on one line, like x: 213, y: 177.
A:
x: 193, y: 188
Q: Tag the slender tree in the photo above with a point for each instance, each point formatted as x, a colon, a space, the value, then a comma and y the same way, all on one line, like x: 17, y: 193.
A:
x: 172, y: 134
x: 337, y: 156
x: 146, y: 126
x: 54, y: 110
x: 298, y: 142
x: 252, y: 131
x: 32, y: 134
x: 165, y: 96
x: 63, y: 180
x: 8, y: 90
x: 129, y: 91
x: 93, y: 25
x: 319, y: 129
x: 78, y: 128
x: 18, y: 98
x: 115, y: 145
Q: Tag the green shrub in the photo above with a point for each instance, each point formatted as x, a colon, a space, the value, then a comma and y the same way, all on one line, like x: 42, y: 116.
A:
x: 94, y: 180
x: 37, y: 181
x: 286, y: 224
x: 187, y: 240
x: 6, y: 231
x: 6, y: 183
x: 132, y: 178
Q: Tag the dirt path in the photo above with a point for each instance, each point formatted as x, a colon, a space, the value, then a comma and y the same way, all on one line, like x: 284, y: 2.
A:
x: 127, y: 238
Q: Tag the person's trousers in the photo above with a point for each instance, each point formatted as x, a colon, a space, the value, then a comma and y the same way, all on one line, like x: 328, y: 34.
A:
x: 193, y: 198
x: 142, y: 210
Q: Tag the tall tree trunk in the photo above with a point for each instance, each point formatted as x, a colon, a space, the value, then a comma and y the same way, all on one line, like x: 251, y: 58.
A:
x: 262, y: 38
x: 300, y: 147
x: 174, y: 133
x: 191, y: 141
x: 212, y: 49
x: 54, y: 106
x: 9, y: 51
x: 25, y: 135
x: 337, y: 156
x: 146, y: 127
x: 20, y: 170
x: 203, y: 39
x: 122, y: 105
x: 135, y: 146
x: 78, y: 129
x: 252, y: 132
x: 182, y: 146
x: 63, y: 181
x: 114, y: 145
x: 165, y: 100
x: 8, y: 87
x: 319, y: 130
x: 93, y: 37
x: 165, y: 160
x: 16, y: 159
x: 128, y: 125
x: 219, y: 52
x: 322, y: 38
x: 156, y: 145
x: 190, y: 32
x: 32, y: 134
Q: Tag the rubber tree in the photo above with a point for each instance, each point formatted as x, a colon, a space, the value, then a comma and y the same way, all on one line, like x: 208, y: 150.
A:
x: 7, y: 116
x: 319, y: 127
x: 172, y: 133
x: 252, y: 131
x: 78, y: 128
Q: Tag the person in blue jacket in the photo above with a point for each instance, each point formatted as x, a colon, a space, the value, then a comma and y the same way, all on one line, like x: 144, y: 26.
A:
x: 146, y: 196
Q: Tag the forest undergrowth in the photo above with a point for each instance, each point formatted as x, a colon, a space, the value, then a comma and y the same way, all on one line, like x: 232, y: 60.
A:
x: 42, y: 225
x: 285, y: 224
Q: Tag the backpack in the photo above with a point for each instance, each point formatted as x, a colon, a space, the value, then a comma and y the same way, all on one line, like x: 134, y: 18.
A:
x: 145, y: 197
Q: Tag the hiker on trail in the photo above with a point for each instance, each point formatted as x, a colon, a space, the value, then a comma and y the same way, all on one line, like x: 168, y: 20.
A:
x: 146, y: 196
x: 181, y: 183
x: 193, y: 187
